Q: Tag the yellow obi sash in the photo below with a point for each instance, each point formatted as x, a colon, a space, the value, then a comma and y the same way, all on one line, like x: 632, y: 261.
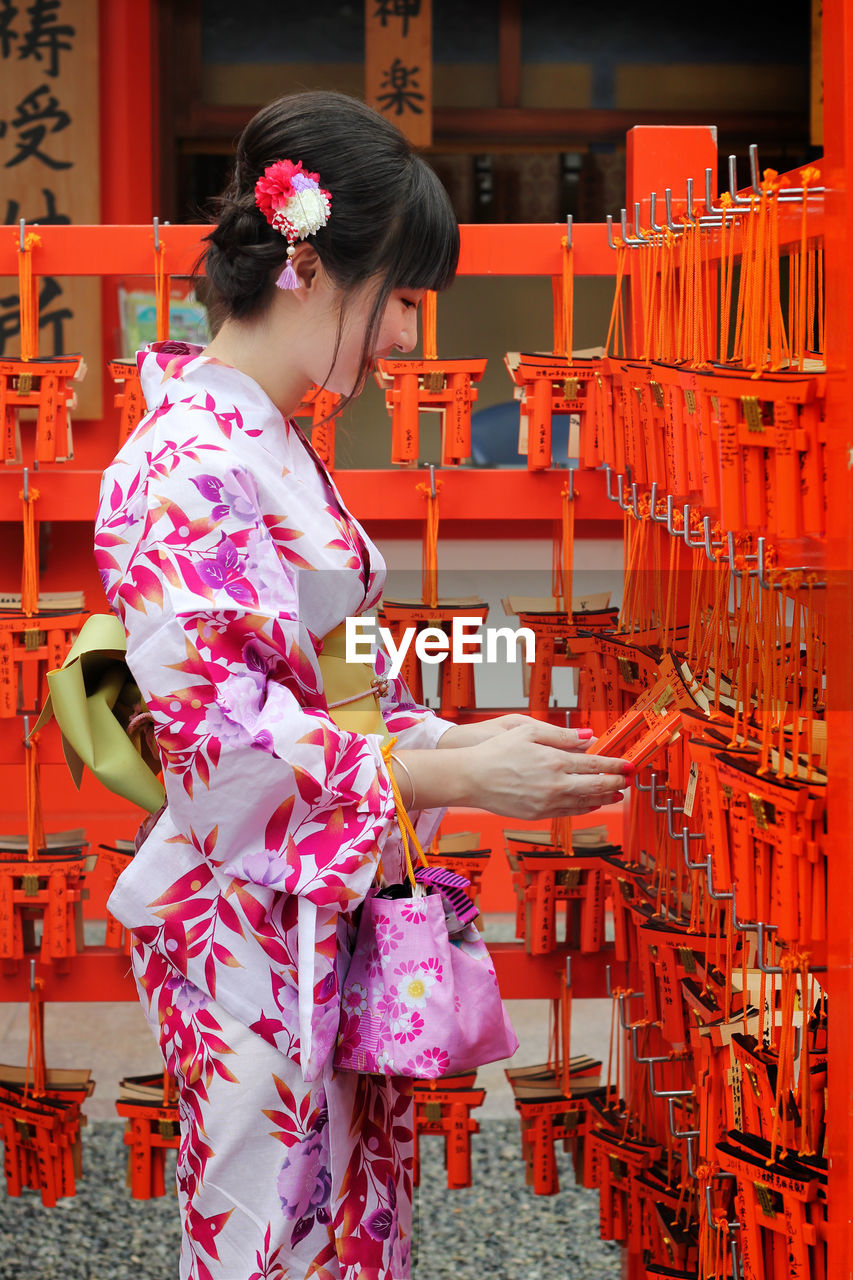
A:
x: 94, y: 698
x: 351, y: 688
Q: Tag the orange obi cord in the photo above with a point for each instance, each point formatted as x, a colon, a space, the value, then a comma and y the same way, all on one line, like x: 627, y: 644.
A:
x: 161, y: 290
x: 35, y: 820
x: 429, y: 577
x: 30, y: 568
x: 408, y: 834
x: 28, y: 293
x: 430, y: 316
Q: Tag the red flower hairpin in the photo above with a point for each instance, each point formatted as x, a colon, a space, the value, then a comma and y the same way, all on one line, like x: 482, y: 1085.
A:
x: 294, y: 203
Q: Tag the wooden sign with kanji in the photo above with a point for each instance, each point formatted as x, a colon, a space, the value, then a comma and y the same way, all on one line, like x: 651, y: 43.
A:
x: 398, y: 64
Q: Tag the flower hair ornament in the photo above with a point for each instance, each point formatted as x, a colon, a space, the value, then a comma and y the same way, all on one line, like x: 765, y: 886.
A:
x: 294, y: 203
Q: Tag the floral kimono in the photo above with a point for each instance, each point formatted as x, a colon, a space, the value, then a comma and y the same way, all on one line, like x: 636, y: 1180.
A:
x: 226, y: 550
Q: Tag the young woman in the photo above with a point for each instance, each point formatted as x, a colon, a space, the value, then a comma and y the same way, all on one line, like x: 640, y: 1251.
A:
x: 228, y: 554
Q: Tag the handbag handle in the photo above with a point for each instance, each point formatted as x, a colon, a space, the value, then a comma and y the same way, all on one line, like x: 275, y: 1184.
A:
x: 408, y: 835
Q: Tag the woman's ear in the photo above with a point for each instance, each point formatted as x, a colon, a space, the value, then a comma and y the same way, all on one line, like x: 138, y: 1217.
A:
x: 306, y: 263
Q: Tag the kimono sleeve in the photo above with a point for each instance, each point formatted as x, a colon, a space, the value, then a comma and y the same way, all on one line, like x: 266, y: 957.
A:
x: 258, y: 777
x: 414, y: 726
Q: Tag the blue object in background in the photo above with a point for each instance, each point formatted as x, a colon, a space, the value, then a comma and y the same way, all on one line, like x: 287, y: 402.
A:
x: 494, y: 437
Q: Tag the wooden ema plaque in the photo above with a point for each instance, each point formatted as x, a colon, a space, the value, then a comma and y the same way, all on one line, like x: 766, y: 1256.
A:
x: 431, y: 386
x: 550, y: 384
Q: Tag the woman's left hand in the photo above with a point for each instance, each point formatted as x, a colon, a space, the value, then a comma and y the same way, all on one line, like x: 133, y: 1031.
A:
x: 471, y: 735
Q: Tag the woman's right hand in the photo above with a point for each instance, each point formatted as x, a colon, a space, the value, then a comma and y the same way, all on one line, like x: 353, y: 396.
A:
x: 535, y: 771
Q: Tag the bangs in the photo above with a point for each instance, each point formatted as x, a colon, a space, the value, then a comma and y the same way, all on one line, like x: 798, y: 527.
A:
x: 425, y: 254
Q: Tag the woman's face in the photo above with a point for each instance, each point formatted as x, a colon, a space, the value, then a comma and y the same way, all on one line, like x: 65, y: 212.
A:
x: 398, y: 331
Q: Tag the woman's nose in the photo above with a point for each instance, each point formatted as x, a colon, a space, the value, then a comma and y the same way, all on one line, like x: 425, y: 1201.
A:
x: 407, y: 337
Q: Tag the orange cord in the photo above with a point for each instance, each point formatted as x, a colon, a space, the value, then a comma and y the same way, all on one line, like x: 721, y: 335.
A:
x: 161, y: 292
x: 430, y: 315
x: 28, y: 294
x: 35, y: 820
x: 30, y: 568
x: 429, y: 590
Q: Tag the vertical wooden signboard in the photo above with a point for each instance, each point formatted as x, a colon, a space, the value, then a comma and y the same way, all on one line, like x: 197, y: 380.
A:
x: 49, y: 166
x: 398, y: 64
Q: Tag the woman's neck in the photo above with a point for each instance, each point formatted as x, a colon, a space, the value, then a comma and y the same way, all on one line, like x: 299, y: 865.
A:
x: 258, y: 350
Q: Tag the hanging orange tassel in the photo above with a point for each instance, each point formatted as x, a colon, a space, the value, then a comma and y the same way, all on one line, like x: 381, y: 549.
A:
x: 28, y: 293
x: 161, y: 291
x: 35, y: 819
x: 430, y: 315
x: 429, y: 590
x: 30, y: 570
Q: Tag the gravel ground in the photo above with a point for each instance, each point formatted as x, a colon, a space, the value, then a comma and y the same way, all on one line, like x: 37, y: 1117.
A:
x: 496, y: 1228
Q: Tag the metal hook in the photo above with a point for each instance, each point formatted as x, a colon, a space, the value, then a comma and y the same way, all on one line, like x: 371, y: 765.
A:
x: 634, y: 503
x: 676, y: 1132
x: 688, y: 541
x: 712, y: 893
x: 26, y: 484
x: 608, y: 475
x: 742, y: 926
x: 736, y: 199
x: 156, y: 235
x: 666, y: 1093
x: 763, y: 928
x: 653, y: 205
x: 621, y: 1001
x: 27, y: 732
x: 568, y: 231
x: 669, y: 809
x: 653, y: 501
x: 673, y: 226
x: 764, y: 582
x: 638, y: 786
x: 22, y: 228
x: 32, y: 975
x: 709, y: 545
x: 638, y: 1057
x: 571, y: 493
x: 738, y: 573
x: 710, y: 207
x: 432, y: 480
x: 620, y: 497
x: 754, y: 175
x: 668, y: 517
x: 656, y: 808
x: 690, y: 200
x: 632, y: 242
x: 611, y: 242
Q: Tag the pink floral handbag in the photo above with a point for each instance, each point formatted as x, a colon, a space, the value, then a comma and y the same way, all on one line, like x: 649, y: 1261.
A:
x: 420, y: 997
x: 417, y: 1000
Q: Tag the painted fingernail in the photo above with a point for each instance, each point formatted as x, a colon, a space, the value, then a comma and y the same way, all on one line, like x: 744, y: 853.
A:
x: 585, y: 735
x: 629, y: 769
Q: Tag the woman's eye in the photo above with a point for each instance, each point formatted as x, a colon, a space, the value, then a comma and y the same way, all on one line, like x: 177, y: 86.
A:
x: 409, y: 303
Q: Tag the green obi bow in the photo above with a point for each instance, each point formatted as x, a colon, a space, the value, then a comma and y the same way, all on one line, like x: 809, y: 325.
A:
x: 94, y: 699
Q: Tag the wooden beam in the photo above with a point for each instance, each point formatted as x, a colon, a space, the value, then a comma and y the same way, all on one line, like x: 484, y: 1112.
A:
x: 493, y: 128
x: 509, y: 54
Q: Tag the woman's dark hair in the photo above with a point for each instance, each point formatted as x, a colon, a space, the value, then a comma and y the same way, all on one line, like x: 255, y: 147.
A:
x: 391, y: 218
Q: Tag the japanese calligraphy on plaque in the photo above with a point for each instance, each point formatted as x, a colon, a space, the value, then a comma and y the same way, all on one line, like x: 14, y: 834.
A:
x: 49, y: 167
x: 398, y: 64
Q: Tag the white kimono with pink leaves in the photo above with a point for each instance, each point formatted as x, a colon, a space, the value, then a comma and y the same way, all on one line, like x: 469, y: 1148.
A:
x: 228, y: 554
